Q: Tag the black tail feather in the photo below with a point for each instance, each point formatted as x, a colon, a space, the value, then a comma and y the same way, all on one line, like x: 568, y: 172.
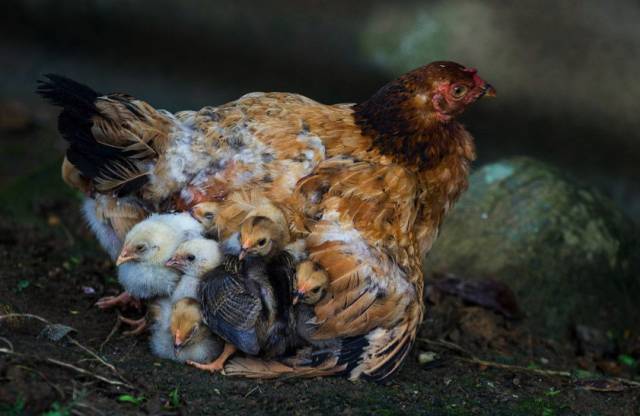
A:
x: 89, y: 156
x: 68, y: 94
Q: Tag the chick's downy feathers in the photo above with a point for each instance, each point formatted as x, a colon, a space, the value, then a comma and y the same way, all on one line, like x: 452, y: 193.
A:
x: 148, y: 246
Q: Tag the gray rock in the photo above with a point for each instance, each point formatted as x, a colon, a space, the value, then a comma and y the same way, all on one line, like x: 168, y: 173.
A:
x: 568, y: 253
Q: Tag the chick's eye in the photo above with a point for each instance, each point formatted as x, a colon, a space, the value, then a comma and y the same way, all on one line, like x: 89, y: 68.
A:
x: 459, y: 91
x: 315, y: 290
x: 208, y: 215
x: 262, y: 242
x: 140, y: 248
x: 191, y: 257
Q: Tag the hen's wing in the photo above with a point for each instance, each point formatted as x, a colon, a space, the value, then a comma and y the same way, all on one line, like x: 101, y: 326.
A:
x: 229, y: 310
x: 360, y: 217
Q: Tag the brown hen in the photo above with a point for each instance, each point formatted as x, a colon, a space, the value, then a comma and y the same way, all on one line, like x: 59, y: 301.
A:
x: 367, y: 185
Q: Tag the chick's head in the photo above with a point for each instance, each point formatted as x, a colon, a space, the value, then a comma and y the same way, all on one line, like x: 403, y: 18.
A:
x: 311, y: 283
x: 261, y: 236
x: 195, y: 257
x: 150, y: 242
x: 186, y: 322
x: 205, y: 213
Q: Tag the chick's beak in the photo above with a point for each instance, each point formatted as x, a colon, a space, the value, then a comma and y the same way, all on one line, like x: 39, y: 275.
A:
x: 298, y: 295
x: 127, y: 254
x: 175, y: 263
x: 177, y: 342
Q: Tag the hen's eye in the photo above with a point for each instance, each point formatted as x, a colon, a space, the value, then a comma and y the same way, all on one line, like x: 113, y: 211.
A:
x: 208, y: 215
x: 262, y: 242
x: 459, y: 91
x: 191, y: 257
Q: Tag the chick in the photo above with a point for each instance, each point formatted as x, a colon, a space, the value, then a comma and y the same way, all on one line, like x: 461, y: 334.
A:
x: 239, y: 305
x: 205, y: 213
x: 261, y: 236
x: 311, y: 284
x: 179, y: 334
x: 267, y: 238
x: 192, y: 259
x: 141, y: 263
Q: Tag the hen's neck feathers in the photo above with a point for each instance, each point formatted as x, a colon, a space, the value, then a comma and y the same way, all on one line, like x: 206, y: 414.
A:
x: 411, y: 136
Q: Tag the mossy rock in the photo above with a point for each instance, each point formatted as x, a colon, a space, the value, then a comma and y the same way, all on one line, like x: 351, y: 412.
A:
x: 568, y: 253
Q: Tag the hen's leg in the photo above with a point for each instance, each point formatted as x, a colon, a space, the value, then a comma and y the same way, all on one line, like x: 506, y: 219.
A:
x: 218, y: 363
x: 122, y: 300
x: 138, y: 325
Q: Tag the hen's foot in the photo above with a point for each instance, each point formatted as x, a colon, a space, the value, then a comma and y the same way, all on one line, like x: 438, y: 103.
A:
x: 122, y: 300
x: 138, y: 326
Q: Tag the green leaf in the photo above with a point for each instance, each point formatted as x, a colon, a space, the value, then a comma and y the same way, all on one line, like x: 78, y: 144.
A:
x: 174, y: 397
x: 627, y: 360
x: 127, y: 398
x: 548, y: 412
x: 552, y: 392
x: 22, y: 285
x: 57, y: 410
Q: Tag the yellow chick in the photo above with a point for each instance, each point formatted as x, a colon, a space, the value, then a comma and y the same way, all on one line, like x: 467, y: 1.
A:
x: 311, y: 283
x: 192, y: 340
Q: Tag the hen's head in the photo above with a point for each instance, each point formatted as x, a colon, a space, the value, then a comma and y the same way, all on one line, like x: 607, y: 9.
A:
x: 443, y: 90
x: 149, y: 241
x: 260, y: 236
x: 311, y: 283
x: 407, y: 110
x: 186, y: 322
x: 195, y: 257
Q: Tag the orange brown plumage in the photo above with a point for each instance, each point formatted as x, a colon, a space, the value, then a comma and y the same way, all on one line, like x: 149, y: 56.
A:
x: 367, y: 186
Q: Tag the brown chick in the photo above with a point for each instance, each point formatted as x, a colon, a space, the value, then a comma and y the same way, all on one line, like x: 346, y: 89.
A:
x: 261, y: 236
x: 312, y: 283
x: 205, y: 213
x: 192, y: 340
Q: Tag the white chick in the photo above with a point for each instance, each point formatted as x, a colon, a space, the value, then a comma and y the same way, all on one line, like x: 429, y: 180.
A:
x: 193, y: 258
x: 147, y: 247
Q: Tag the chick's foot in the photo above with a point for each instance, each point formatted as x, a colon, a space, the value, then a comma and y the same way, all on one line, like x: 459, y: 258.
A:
x: 218, y: 364
x: 123, y: 300
x: 138, y: 326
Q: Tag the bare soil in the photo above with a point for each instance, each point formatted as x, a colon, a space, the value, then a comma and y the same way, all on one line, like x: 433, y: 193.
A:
x: 51, y: 267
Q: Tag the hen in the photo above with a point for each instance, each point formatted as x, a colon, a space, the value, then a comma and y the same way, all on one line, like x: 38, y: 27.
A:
x: 367, y: 185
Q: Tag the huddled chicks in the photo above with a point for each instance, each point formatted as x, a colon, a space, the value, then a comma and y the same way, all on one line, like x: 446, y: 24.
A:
x: 212, y: 299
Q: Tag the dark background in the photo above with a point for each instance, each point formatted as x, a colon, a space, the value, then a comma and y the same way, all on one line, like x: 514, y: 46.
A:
x: 568, y: 94
x: 566, y: 73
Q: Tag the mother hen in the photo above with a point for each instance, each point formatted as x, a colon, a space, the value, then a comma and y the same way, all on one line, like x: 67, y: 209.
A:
x: 366, y: 185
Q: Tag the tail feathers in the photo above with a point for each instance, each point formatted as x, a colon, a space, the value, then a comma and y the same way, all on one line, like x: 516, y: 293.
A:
x: 383, y: 354
x: 251, y: 367
x: 112, y: 138
x: 66, y: 93
x: 374, y: 357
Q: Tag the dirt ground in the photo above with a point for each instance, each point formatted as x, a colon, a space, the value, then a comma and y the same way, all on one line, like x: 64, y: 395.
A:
x: 468, y: 360
x: 51, y: 267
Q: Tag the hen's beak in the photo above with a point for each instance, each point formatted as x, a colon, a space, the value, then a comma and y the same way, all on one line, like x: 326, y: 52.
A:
x: 175, y: 263
x: 488, y: 91
x: 127, y: 254
x: 298, y: 295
